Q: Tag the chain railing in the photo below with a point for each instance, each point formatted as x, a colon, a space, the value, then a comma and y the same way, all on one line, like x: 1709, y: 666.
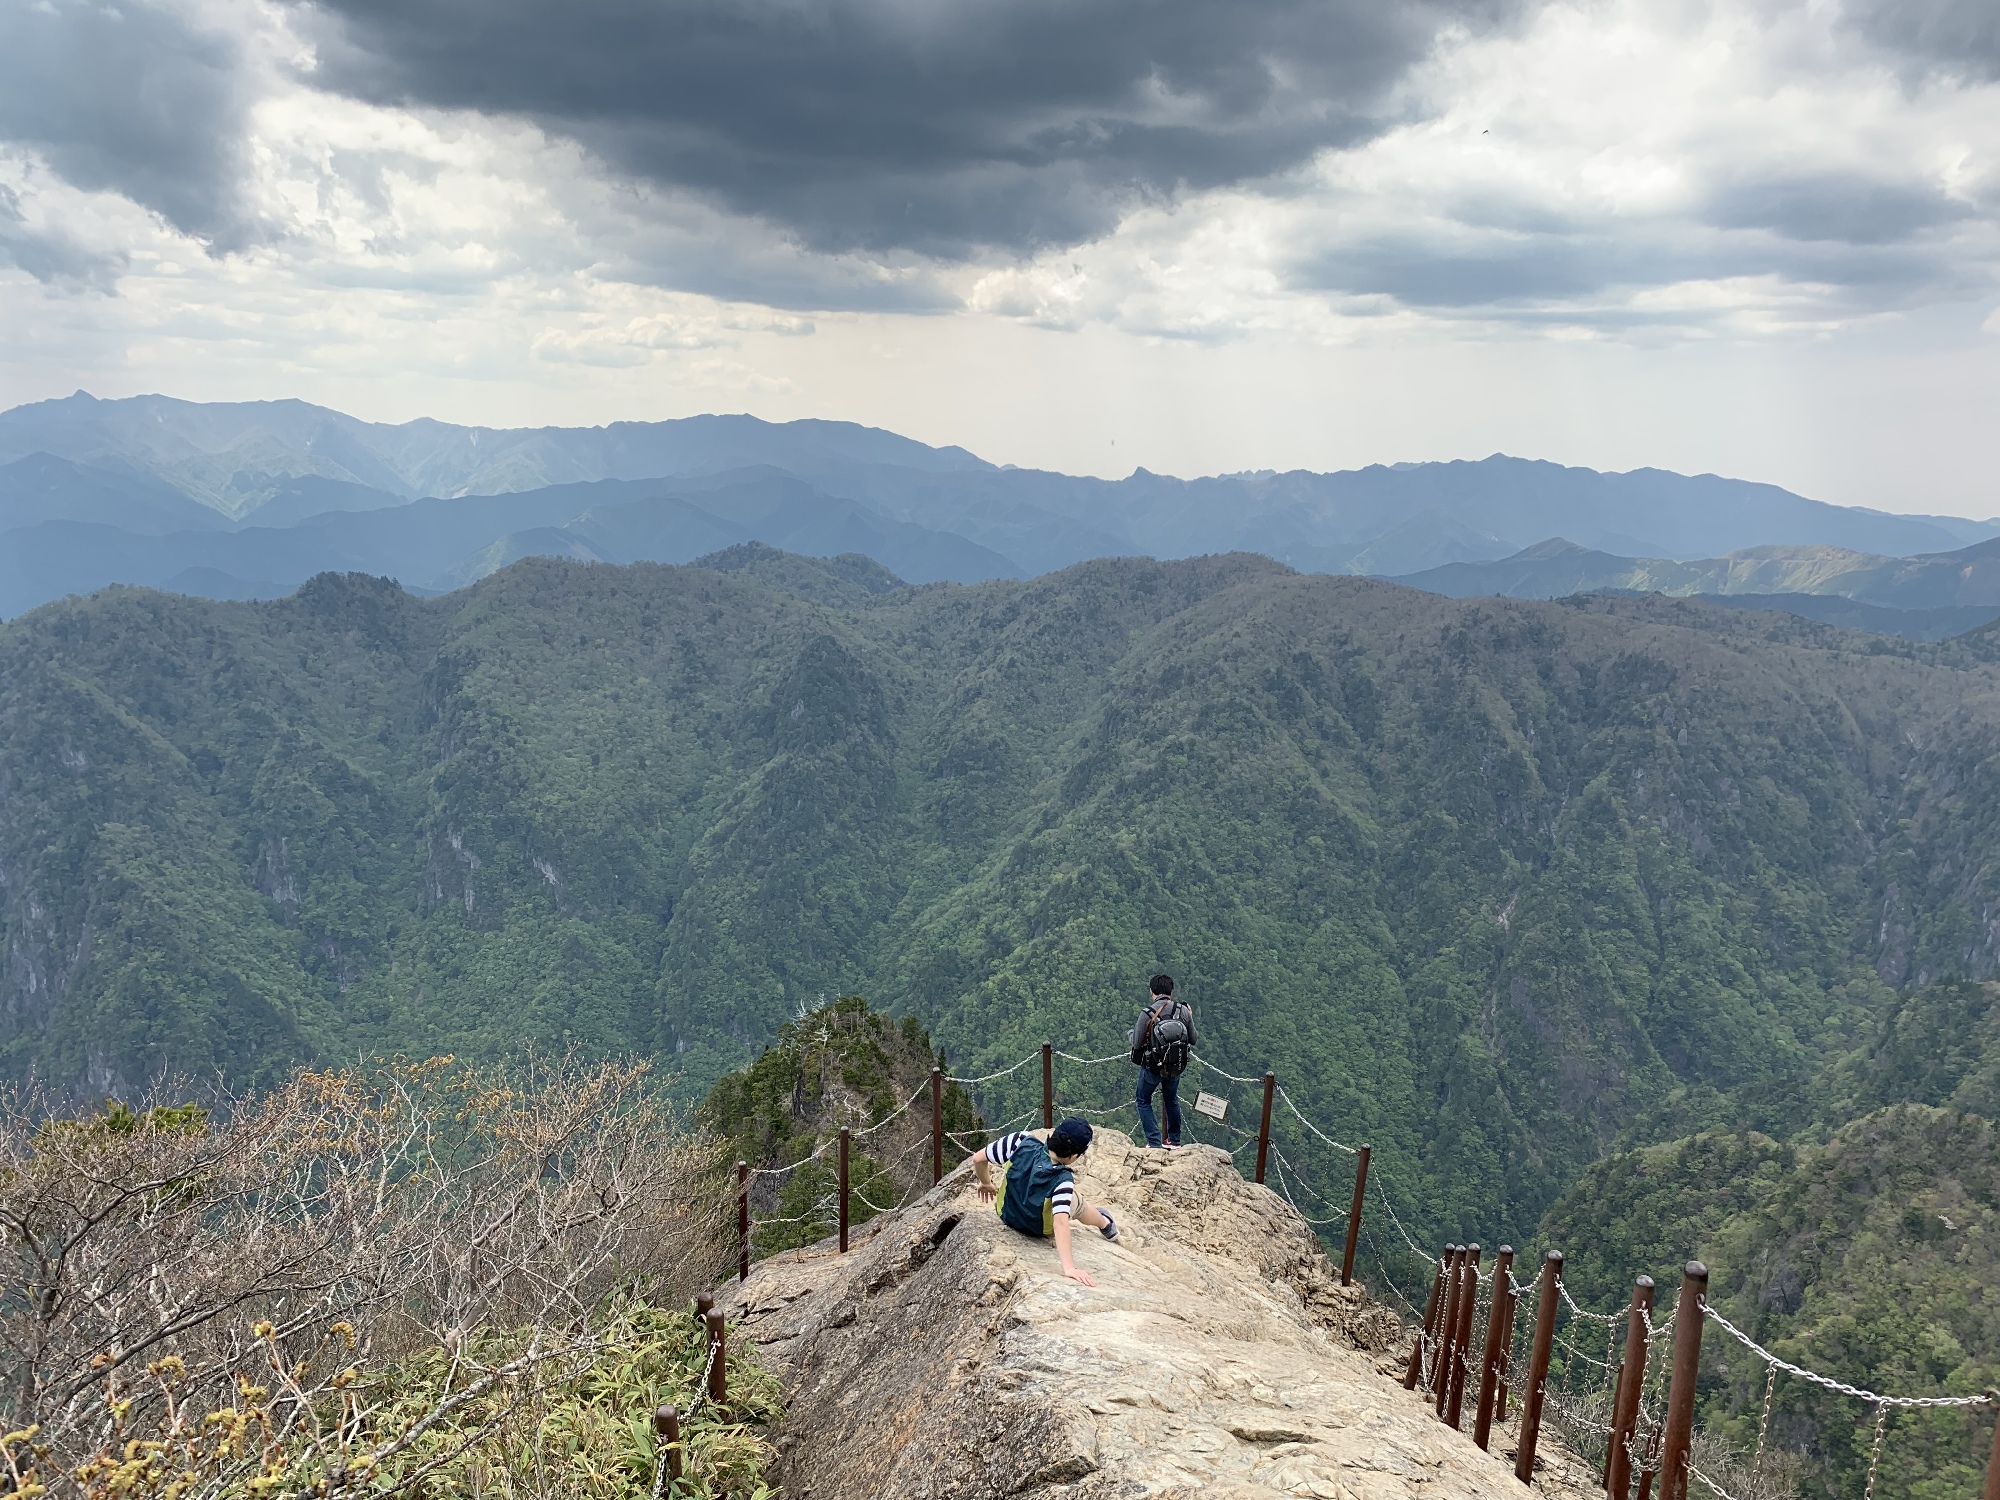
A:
x: 1636, y: 1407
x: 670, y: 1422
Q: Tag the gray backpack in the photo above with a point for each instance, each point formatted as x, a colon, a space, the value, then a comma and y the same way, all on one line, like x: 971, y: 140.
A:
x: 1163, y: 1044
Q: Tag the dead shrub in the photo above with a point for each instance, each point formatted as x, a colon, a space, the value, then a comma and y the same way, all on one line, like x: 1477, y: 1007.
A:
x: 296, y: 1293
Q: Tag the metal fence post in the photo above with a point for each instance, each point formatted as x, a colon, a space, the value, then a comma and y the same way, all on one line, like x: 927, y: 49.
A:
x: 1048, y: 1086
x: 1993, y: 1457
x: 845, y: 1135
x: 937, y: 1126
x: 743, y: 1221
x: 1354, y: 1216
x: 1680, y: 1390
x: 1462, y: 1341
x: 702, y: 1303
x: 1496, y: 1324
x: 1454, y: 1292
x: 1425, y: 1334
x: 1625, y: 1402
x: 1264, y: 1130
x: 1538, y: 1366
x: 667, y: 1442
x: 718, y: 1369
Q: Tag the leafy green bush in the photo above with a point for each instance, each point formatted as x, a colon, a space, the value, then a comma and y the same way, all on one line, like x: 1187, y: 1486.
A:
x: 586, y: 1434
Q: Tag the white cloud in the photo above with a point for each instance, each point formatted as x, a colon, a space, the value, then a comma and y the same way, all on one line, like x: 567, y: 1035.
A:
x: 1655, y: 176
x: 1614, y: 170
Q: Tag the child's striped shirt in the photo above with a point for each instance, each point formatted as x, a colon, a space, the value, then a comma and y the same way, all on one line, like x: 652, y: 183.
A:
x: 1062, y: 1200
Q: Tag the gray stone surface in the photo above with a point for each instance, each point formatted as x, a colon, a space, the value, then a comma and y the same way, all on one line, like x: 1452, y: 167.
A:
x: 946, y: 1357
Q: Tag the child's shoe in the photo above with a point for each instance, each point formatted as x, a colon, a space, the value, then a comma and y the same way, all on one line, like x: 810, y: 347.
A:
x: 1110, y: 1229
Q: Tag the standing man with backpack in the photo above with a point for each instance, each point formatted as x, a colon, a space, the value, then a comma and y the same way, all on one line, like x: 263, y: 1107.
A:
x: 1162, y: 1044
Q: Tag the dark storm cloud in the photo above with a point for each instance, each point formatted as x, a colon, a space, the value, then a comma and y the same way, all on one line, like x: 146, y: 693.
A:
x: 129, y: 97
x: 931, y: 126
x: 1956, y: 37
x: 1885, y: 243
x: 1839, y: 206
x: 1506, y: 276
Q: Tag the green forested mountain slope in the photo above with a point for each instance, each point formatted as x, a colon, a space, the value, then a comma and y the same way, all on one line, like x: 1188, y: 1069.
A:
x: 1498, y: 885
x: 1867, y: 1255
x: 1862, y: 1246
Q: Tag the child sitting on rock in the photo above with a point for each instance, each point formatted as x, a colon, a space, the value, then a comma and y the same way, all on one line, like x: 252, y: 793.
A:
x: 1037, y: 1195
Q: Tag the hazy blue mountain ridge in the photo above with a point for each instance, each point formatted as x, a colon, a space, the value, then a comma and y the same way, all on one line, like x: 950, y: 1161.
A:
x: 439, y: 544
x: 1917, y: 596
x: 231, y: 455
x: 1851, y: 614
x: 265, y: 494
x: 41, y: 487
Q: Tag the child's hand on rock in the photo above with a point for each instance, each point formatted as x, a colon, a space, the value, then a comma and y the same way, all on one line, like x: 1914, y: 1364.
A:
x: 1078, y: 1274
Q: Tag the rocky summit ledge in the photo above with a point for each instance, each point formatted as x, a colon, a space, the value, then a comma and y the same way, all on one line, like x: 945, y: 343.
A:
x: 945, y: 1357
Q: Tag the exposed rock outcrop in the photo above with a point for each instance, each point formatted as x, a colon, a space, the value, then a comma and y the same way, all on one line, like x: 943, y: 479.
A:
x: 947, y: 1358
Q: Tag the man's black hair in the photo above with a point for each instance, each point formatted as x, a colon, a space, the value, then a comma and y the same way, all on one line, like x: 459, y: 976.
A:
x: 1163, y: 984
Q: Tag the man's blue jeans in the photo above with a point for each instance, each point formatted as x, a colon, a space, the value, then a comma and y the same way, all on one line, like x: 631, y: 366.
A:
x: 1170, y: 1090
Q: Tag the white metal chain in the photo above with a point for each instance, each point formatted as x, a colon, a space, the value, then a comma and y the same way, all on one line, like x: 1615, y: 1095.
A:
x: 1579, y: 1312
x: 1087, y: 1110
x: 1003, y: 1073
x: 834, y: 1139
x: 1382, y: 1192
x: 700, y: 1395
x: 1764, y: 1423
x: 1312, y: 1127
x: 1827, y: 1381
x: 1875, y: 1453
x: 1284, y: 1187
x: 1383, y: 1265
x: 701, y: 1390
x: 1220, y: 1074
x: 1720, y: 1492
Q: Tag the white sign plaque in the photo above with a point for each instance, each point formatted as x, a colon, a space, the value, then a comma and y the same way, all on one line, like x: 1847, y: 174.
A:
x: 1212, y: 1106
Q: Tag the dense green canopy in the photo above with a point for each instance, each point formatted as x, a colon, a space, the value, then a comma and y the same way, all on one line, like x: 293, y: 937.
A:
x: 1501, y: 886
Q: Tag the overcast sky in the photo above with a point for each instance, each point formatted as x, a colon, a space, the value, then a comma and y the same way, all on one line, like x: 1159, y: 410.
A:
x: 1755, y: 238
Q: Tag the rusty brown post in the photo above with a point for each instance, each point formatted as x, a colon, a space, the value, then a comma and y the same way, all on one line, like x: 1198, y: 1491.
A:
x: 702, y: 1303
x: 1625, y: 1401
x: 1993, y: 1458
x: 1264, y: 1130
x: 1430, y: 1321
x: 1454, y: 1290
x: 1048, y: 1087
x: 667, y: 1442
x: 1506, y: 1355
x: 937, y: 1126
x: 1538, y: 1366
x: 1462, y: 1341
x: 718, y: 1369
x: 1680, y: 1388
x: 845, y: 1135
x: 1496, y: 1330
x: 743, y: 1221
x: 1354, y: 1217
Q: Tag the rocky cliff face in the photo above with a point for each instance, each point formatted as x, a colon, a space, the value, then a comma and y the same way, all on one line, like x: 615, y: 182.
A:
x: 948, y: 1358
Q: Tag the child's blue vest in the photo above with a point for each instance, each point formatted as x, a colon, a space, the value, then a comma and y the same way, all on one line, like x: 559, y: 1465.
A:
x: 1032, y: 1176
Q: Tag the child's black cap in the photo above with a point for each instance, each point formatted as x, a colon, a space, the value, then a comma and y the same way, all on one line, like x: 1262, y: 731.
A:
x: 1071, y: 1138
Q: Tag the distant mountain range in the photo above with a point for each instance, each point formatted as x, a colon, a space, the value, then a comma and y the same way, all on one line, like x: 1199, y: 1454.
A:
x: 247, y: 500
x: 1926, y: 597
